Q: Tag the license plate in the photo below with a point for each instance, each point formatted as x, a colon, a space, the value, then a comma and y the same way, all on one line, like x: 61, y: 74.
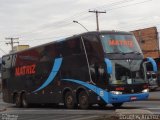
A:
x: 133, y: 98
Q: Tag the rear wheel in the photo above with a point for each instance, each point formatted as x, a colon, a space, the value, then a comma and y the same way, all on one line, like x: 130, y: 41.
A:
x: 25, y: 103
x: 83, y: 100
x: 18, y: 100
x: 117, y: 104
x: 69, y: 100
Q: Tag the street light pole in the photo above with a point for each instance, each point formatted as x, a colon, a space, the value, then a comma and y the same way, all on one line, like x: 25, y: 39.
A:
x: 80, y: 25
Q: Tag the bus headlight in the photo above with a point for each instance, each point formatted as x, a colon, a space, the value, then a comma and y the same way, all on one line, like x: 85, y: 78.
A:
x: 116, y: 92
x: 145, y: 90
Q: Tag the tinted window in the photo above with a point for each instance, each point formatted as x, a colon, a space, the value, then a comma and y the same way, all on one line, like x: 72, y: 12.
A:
x: 71, y: 47
x: 93, y: 47
x: 119, y: 43
x: 95, y: 58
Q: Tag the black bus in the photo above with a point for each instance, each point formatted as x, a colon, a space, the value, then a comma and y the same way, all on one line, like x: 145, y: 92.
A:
x: 91, y: 68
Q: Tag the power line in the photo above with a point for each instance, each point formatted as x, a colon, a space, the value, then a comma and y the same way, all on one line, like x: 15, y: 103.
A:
x: 3, y: 51
x: 136, y: 26
x: 82, y: 13
x: 129, y: 5
x: 69, y: 19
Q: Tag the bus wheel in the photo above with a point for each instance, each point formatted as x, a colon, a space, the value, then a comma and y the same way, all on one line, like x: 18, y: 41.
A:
x: 83, y: 100
x: 69, y: 100
x: 24, y: 101
x: 117, y: 104
x: 18, y: 100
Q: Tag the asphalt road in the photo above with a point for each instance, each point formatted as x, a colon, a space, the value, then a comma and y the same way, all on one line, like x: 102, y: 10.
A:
x: 94, y: 113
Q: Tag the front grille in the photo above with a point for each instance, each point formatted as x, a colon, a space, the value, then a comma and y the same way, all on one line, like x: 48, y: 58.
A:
x: 131, y: 92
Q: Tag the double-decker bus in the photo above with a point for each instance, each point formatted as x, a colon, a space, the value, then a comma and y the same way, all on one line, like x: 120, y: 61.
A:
x: 101, y: 68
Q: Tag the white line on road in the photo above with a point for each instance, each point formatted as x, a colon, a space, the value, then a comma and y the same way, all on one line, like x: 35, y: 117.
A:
x: 154, y: 108
x: 85, y: 118
x: 69, y: 117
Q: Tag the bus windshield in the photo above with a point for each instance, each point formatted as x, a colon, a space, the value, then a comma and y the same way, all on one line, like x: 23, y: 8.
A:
x: 119, y: 43
x: 127, y: 72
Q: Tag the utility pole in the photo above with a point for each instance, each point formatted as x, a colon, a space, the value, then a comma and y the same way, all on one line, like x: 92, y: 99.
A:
x: 12, y: 42
x: 96, y: 12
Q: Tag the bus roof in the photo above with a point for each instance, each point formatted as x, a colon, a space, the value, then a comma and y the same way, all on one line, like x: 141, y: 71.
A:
x: 77, y: 35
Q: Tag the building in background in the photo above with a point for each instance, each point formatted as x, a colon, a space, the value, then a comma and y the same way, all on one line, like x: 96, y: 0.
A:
x: 19, y: 48
x: 148, y: 41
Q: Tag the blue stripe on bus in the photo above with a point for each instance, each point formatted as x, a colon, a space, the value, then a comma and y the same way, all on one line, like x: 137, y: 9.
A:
x: 100, y: 92
x: 107, y: 96
x: 109, y: 65
x: 54, y: 71
x: 153, y: 63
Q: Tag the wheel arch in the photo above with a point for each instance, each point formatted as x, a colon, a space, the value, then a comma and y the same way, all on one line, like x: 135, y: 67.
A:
x: 65, y: 90
x: 79, y: 90
x: 14, y: 96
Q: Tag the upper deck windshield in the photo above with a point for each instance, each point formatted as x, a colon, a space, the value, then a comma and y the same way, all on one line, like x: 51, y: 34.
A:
x: 119, y: 43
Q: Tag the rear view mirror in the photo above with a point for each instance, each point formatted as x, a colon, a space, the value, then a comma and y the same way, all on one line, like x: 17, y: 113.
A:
x: 154, y: 64
x: 109, y: 65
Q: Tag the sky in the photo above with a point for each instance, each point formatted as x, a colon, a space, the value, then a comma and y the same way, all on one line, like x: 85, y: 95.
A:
x: 36, y: 22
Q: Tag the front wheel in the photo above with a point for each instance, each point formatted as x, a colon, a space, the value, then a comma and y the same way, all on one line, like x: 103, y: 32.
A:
x: 83, y: 100
x: 117, y: 105
x: 18, y: 100
x: 25, y: 103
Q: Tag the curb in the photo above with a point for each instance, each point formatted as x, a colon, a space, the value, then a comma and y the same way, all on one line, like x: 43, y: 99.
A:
x: 153, y: 99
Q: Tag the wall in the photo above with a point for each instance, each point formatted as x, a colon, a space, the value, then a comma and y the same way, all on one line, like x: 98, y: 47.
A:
x: 148, y: 41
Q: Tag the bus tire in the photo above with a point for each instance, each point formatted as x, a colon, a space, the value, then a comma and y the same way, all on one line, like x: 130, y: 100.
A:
x: 117, y: 105
x: 18, y: 100
x: 83, y: 100
x: 69, y: 100
x: 25, y: 103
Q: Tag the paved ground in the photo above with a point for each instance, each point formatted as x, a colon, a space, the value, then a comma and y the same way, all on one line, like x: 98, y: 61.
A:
x: 95, y: 113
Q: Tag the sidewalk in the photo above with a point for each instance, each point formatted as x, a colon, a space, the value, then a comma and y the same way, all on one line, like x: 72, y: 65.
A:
x: 2, y: 107
x: 155, y: 95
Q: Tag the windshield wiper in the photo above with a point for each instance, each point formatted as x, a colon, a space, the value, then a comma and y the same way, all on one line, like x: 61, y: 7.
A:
x: 136, y: 52
x: 118, y: 52
x: 123, y: 53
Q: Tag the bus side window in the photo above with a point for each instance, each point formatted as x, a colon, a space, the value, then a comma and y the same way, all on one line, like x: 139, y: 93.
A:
x: 49, y: 53
x: 93, y: 48
x: 71, y: 47
x: 6, y: 68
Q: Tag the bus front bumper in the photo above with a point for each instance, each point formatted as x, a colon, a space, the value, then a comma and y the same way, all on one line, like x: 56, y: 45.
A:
x: 127, y: 97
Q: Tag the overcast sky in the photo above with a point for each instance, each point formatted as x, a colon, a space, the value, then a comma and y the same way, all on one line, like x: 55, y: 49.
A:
x: 36, y: 22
